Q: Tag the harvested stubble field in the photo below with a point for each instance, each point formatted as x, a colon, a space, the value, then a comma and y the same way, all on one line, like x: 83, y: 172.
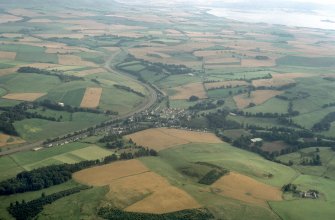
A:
x: 246, y: 189
x: 4, y: 18
x: 186, y: 91
x: 291, y: 75
x: 7, y: 55
x: 163, y: 138
x: 257, y: 97
x: 274, y: 82
x: 233, y: 83
x: 90, y: 72
x: 74, y: 61
x: 91, y: 98
x: 8, y: 71
x: 133, y: 187
x: 24, y: 96
x: 258, y: 63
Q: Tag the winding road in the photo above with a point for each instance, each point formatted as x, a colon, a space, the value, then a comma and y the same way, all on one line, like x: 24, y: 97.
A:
x: 149, y: 101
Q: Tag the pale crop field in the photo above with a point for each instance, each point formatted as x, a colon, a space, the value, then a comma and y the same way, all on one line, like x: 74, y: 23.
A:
x: 163, y: 138
x: 91, y: 98
x: 244, y: 188
x: 24, y: 96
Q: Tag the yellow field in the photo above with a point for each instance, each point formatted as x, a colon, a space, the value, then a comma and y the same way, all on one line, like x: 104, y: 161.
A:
x: 186, y: 91
x: 9, y: 140
x: 24, y: 12
x: 40, y: 20
x: 7, y: 55
x: 74, y: 61
x: 257, y: 63
x: 24, y: 96
x: 257, y: 97
x: 4, y: 18
x: 91, y: 98
x: 274, y: 82
x: 8, y: 71
x: 246, y: 189
x: 291, y: 75
x: 163, y: 138
x: 90, y: 72
x: 223, y: 60
x: 135, y: 188
x: 233, y: 83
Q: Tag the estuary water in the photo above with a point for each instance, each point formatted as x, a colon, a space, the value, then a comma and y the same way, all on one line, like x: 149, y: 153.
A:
x: 313, y: 19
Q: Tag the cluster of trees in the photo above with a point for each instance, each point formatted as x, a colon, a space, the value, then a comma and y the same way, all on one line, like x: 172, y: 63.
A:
x: 314, y: 161
x: 17, y: 113
x: 290, y: 110
x: 28, y: 210
x: 328, y: 105
x: 63, y: 77
x: 112, y: 141
x: 325, y: 123
x: 260, y: 57
x: 193, y: 98
x: 290, y: 96
x: 296, y: 139
x: 213, y: 176
x: 282, y: 87
x: 206, y: 105
x: 290, y: 188
x: 159, y: 68
x: 44, y: 177
x: 128, y: 89
x: 223, y: 87
x: 68, y: 108
x: 218, y: 120
x: 191, y: 214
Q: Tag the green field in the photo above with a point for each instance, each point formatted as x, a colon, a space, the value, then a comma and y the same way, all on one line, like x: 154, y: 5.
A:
x: 307, y: 61
x: 27, y: 82
x: 39, y: 129
x: 6, y: 200
x: 28, y: 53
x: 273, y: 105
x: 69, y: 153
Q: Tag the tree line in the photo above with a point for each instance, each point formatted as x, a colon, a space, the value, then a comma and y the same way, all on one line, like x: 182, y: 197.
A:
x: 29, y: 210
x: 188, y: 214
x: 62, y: 77
x: 128, y: 89
x: 325, y: 123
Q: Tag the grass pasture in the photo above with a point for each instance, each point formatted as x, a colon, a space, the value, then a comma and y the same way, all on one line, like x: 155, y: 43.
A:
x: 306, y: 61
x: 38, y: 129
x: 257, y: 97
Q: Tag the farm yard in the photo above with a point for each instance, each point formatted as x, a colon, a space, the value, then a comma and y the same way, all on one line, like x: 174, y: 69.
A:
x: 180, y: 111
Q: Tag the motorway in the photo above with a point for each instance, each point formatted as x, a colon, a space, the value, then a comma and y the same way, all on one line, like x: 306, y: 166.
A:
x: 149, y: 101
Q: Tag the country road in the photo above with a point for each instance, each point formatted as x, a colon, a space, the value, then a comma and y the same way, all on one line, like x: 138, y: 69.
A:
x: 150, y: 100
